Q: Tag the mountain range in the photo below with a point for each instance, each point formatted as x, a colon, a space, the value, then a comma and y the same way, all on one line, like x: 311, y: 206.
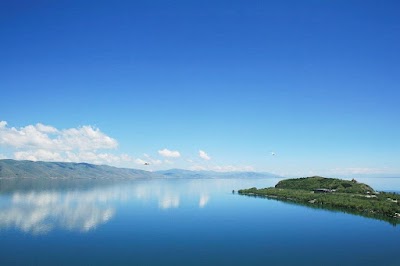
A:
x: 180, y: 173
x: 66, y: 170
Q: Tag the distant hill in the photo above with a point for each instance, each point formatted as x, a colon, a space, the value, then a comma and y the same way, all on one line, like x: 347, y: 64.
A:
x: 180, y: 173
x: 30, y: 169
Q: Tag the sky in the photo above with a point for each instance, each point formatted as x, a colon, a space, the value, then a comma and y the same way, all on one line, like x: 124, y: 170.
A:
x: 203, y: 85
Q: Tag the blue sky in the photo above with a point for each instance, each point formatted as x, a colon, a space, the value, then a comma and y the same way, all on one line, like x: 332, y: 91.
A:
x: 316, y: 82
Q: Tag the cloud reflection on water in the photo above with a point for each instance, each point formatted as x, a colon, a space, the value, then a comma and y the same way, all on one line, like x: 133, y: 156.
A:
x: 203, y: 200
x: 41, y: 211
x: 169, y: 201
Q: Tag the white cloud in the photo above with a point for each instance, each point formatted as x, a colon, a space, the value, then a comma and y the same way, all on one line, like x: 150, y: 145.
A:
x: 222, y: 168
x: 46, y: 143
x: 86, y: 156
x: 46, y: 129
x: 87, y: 138
x: 140, y: 161
x: 38, y: 155
x: 151, y: 159
x: 169, y: 154
x: 46, y: 137
x: 232, y: 168
x: 203, y: 155
x: 148, y: 159
x: 99, y: 158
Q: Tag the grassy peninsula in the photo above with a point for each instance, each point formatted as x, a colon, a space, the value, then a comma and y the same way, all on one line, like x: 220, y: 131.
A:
x: 334, y: 194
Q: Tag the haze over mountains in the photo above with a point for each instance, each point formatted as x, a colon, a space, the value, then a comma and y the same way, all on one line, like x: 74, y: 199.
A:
x: 180, y: 173
x: 64, y: 170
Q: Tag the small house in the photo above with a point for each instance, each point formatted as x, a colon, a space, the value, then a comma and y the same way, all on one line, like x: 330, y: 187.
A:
x: 322, y: 190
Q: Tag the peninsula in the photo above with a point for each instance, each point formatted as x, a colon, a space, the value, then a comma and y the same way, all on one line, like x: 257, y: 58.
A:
x: 334, y: 194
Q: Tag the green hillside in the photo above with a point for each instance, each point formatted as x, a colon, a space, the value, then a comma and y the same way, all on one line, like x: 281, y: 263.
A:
x: 316, y: 182
x: 30, y: 169
x: 334, y: 194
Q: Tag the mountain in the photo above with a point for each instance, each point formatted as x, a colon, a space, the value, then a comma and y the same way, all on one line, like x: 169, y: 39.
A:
x: 180, y: 173
x: 29, y: 169
x: 62, y: 170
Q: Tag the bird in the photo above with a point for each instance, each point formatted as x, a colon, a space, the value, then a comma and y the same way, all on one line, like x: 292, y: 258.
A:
x: 273, y: 153
x: 146, y: 164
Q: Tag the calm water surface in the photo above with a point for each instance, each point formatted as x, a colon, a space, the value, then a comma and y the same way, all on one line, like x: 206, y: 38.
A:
x: 182, y: 222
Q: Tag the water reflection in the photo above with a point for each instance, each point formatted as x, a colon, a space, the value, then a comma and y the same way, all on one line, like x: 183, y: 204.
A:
x: 84, y: 208
x: 204, y: 198
x: 41, y: 212
x: 169, y: 201
x: 42, y: 206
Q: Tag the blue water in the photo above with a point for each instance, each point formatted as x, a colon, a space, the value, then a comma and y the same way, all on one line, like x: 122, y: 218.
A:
x: 182, y: 222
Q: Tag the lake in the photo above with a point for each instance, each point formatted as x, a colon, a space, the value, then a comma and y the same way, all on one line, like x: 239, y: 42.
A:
x: 182, y: 222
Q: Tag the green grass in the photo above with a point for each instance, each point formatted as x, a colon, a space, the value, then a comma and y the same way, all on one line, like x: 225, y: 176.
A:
x: 350, y: 196
x: 315, y: 182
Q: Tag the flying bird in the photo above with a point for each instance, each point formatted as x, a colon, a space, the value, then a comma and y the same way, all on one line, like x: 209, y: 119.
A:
x: 146, y: 164
x: 273, y: 153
